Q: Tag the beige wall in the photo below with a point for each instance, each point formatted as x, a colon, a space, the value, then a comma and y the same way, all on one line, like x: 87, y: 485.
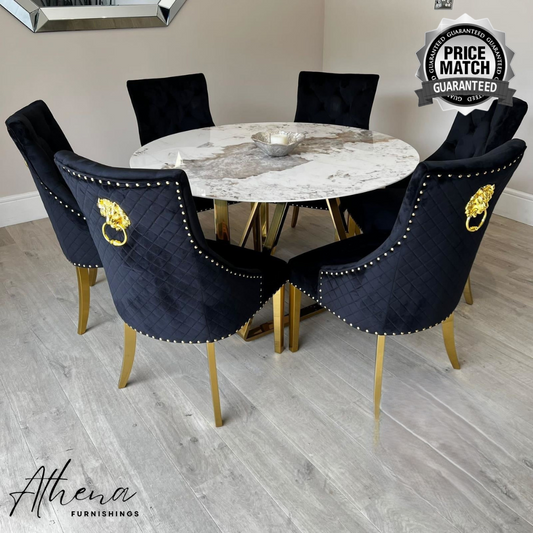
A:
x: 250, y: 50
x: 382, y: 36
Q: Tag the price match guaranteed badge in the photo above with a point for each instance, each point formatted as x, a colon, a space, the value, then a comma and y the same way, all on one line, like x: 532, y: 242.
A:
x: 465, y: 65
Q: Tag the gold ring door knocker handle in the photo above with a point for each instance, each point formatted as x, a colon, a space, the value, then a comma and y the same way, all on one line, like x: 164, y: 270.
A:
x: 478, y: 205
x: 114, y: 217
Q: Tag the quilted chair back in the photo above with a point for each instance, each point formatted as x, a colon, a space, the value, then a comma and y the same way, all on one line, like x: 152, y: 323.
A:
x: 165, y: 106
x: 342, y: 99
x: 415, y: 279
x: 164, y: 279
x: 38, y: 137
x: 481, y: 131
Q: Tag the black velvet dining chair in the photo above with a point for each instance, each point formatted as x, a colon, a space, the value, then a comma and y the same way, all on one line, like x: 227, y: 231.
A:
x: 412, y: 279
x: 470, y: 136
x: 164, y: 106
x: 167, y: 281
x: 330, y: 98
x: 38, y: 137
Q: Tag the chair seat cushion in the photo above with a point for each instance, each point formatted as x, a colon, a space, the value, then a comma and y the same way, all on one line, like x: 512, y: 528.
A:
x: 275, y: 271
x: 305, y: 268
x: 375, y: 211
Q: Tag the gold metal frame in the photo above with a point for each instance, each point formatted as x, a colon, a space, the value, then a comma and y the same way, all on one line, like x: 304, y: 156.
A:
x: 378, y: 374
x: 469, y: 297
x: 213, y: 378
x: 294, y: 330
x: 130, y: 343
x: 221, y: 214
x: 295, y: 304
x: 84, y: 298
x: 295, y: 213
x: 249, y: 333
x: 279, y: 316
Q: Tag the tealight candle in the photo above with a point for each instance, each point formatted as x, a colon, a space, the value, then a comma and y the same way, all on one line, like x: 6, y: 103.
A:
x: 279, y: 138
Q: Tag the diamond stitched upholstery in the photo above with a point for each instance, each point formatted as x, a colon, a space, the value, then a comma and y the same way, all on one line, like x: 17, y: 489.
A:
x: 342, y: 99
x: 167, y: 282
x: 327, y: 98
x: 38, y: 137
x: 164, y: 106
x: 470, y: 136
x: 415, y: 279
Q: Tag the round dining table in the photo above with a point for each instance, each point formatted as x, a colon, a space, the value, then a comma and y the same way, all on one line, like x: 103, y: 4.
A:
x: 223, y: 164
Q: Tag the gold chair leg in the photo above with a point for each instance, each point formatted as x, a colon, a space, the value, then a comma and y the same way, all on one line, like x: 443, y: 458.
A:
x: 214, y: 383
x: 93, y: 272
x: 353, y: 228
x: 295, y: 213
x: 265, y: 216
x: 295, y: 303
x: 130, y: 342
x: 449, y: 341
x: 378, y: 375
x: 469, y: 298
x: 279, y: 318
x: 84, y: 297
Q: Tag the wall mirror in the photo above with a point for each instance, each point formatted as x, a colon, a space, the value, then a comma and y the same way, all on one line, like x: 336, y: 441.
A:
x: 64, y: 15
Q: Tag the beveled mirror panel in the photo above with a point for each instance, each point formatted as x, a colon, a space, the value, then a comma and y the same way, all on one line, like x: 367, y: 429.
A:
x: 64, y: 15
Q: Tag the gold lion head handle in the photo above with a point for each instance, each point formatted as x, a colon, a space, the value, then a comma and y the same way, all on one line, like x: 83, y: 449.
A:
x: 478, y: 205
x: 114, y: 217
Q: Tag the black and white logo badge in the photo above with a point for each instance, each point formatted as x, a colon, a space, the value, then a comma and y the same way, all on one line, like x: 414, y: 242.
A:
x: 465, y: 65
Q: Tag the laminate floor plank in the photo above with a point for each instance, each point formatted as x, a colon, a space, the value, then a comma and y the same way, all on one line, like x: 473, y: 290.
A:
x: 452, y: 436
x: 471, y: 504
x: 131, y: 452
x: 42, y: 409
x: 249, y: 505
x: 299, y: 451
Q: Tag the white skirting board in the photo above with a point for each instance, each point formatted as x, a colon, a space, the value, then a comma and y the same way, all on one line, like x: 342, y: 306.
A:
x: 20, y: 208
x: 516, y: 205
x: 26, y: 207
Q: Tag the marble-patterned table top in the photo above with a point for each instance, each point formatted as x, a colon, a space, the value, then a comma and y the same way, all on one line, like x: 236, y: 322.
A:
x: 334, y: 161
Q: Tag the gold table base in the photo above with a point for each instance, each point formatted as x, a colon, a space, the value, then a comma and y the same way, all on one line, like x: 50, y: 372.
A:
x: 266, y: 237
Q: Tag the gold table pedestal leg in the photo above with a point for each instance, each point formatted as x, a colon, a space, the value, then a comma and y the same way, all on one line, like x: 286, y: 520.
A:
x: 336, y: 217
x: 221, y: 213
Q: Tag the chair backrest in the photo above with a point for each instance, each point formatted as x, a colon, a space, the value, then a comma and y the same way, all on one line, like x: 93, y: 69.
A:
x: 416, y: 278
x: 164, y: 106
x: 165, y: 280
x: 38, y: 137
x: 481, y: 131
x: 342, y: 99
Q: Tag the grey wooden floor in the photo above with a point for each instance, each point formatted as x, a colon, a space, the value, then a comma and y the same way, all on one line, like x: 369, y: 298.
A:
x: 299, y: 451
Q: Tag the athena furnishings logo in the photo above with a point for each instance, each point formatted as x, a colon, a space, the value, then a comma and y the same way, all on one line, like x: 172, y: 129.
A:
x: 465, y: 65
x: 41, y: 487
